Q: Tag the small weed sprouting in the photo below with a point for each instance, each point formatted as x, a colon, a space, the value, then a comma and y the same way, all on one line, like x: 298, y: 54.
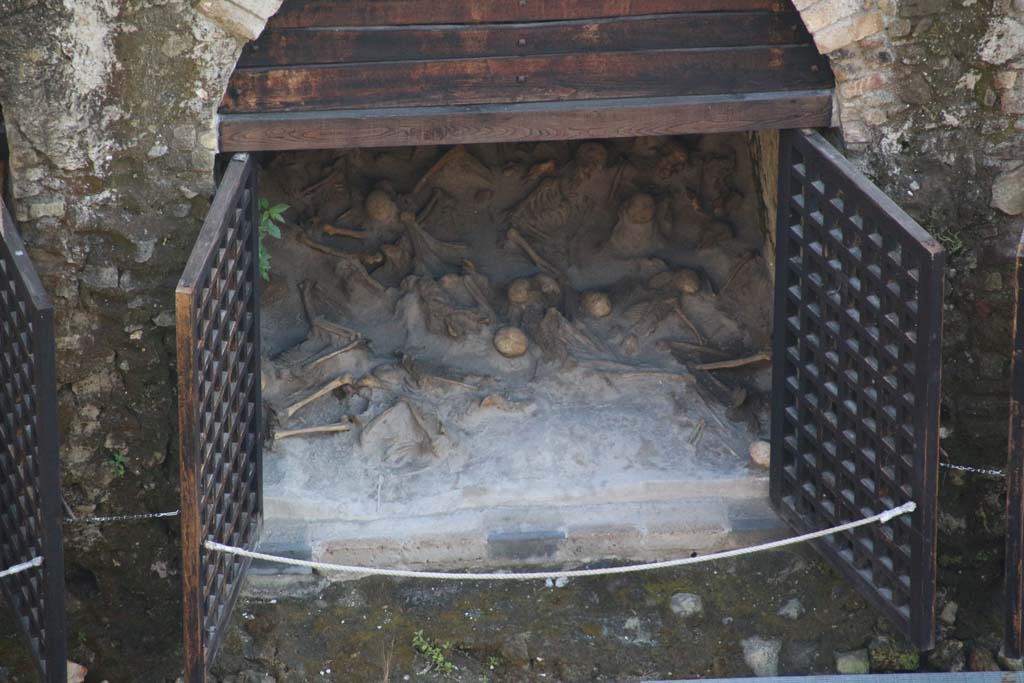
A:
x: 951, y: 240
x: 119, y: 461
x: 436, y: 655
x: 271, y: 218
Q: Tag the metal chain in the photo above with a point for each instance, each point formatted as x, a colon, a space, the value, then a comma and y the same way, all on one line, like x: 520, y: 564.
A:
x: 121, y: 518
x: 973, y: 470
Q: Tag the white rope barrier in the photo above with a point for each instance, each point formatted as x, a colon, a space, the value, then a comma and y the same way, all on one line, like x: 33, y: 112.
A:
x: 880, y: 518
x: 23, y: 567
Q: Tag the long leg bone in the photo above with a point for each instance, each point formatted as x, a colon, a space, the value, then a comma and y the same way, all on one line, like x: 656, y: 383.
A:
x: 358, y: 343
x: 336, y: 383
x: 329, y: 229
x: 323, y: 248
x: 305, y: 431
x: 735, y: 362
x: 687, y: 346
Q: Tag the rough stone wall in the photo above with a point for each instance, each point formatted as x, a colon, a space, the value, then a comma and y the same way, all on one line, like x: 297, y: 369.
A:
x: 110, y: 108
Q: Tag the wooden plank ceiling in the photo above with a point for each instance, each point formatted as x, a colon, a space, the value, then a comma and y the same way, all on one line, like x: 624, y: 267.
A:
x: 333, y: 73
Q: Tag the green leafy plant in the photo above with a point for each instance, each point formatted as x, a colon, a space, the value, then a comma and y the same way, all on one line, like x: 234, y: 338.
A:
x: 119, y: 461
x: 271, y: 219
x: 435, y: 654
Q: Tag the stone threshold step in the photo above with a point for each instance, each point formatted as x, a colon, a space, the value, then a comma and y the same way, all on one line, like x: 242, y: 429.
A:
x: 506, y: 538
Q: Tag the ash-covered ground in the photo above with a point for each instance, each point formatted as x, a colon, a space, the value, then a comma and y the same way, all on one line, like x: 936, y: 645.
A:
x: 518, y: 325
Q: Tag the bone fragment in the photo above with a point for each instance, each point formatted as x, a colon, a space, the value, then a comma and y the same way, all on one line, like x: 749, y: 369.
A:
x: 736, y: 271
x: 432, y: 252
x: 687, y: 346
x: 331, y: 176
x: 627, y: 370
x: 323, y: 248
x: 475, y: 291
x: 541, y: 169
x: 455, y: 156
x: 735, y: 362
x: 686, y: 319
x: 517, y: 239
x: 336, y: 383
x: 698, y: 431
x: 306, y: 431
x: 329, y: 229
x: 358, y: 343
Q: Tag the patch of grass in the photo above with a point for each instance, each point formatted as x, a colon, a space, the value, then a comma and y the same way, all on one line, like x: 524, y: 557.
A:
x: 119, y: 461
x: 435, y: 654
x: 271, y: 219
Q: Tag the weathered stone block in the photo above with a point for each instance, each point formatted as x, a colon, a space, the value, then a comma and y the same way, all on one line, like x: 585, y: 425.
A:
x: 915, y: 89
x: 849, y: 30
x: 858, y: 87
x: 44, y: 207
x: 1008, y: 192
x: 686, y: 604
x: 920, y: 8
x: 1012, y: 95
x: 1004, y: 80
x: 828, y: 12
x: 1003, y: 41
x: 100, y: 277
x: 853, y: 663
x: 236, y: 20
x: 802, y: 5
x: 762, y: 655
x: 261, y: 8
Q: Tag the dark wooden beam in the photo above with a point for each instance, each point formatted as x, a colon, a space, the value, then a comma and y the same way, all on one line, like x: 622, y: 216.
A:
x: 525, y: 122
x: 290, y: 47
x: 604, y: 75
x: 305, y: 13
x: 1013, y: 644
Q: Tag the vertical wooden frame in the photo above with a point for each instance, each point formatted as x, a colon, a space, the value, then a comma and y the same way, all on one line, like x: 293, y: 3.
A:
x: 37, y: 595
x: 220, y: 411
x: 855, y: 415
x: 1013, y: 645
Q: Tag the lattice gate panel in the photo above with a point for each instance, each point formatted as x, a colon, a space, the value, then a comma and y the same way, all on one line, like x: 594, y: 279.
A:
x: 219, y: 411
x: 856, y: 377
x: 30, y: 509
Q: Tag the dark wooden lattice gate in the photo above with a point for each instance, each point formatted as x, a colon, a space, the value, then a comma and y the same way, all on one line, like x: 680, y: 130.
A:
x: 856, y: 374
x: 219, y: 411
x: 30, y: 508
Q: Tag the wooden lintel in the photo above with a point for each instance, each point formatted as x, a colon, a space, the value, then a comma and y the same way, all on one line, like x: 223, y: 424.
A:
x: 525, y: 122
